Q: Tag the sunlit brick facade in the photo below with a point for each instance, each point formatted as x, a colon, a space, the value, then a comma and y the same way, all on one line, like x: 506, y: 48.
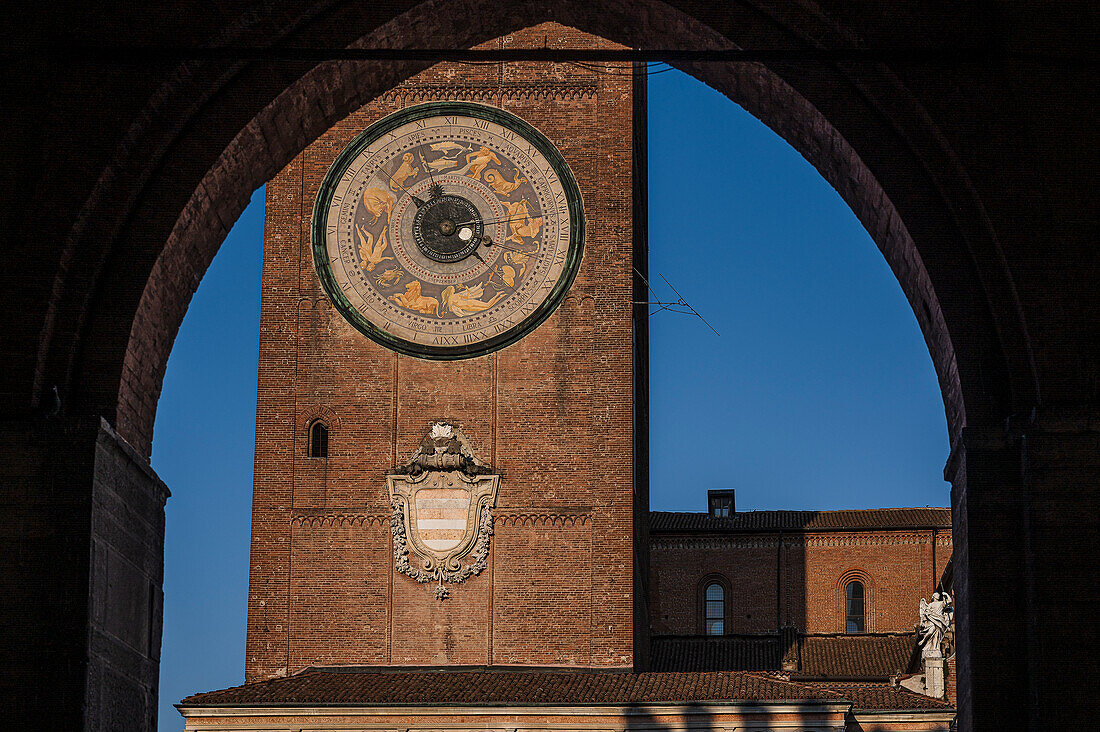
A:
x: 590, y: 610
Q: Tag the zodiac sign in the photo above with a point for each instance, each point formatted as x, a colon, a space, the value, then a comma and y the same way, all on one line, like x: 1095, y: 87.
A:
x: 413, y: 300
x: 378, y: 201
x: 502, y: 185
x: 438, y: 164
x: 441, y: 163
x: 370, y: 256
x: 449, y: 147
x: 404, y: 172
x: 520, y: 221
x: 467, y: 301
x: 508, y: 273
x: 391, y: 276
x: 477, y: 161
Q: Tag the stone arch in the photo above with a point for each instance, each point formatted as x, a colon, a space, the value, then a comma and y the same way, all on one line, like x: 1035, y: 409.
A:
x: 897, y: 174
x: 978, y: 165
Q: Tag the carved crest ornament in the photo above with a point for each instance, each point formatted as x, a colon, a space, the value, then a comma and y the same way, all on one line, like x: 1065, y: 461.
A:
x: 443, y: 503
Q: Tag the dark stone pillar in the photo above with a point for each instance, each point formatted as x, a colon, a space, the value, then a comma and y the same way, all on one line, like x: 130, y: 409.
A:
x: 83, y: 538
x: 1026, y: 504
x: 125, y: 596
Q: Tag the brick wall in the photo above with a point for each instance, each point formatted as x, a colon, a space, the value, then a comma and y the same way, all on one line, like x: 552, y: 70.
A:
x: 799, y: 584
x: 552, y: 414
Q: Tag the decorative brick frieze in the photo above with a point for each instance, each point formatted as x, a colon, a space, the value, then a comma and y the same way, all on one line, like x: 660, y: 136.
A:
x: 862, y: 539
x: 318, y: 521
x: 415, y: 93
x: 711, y: 542
x: 543, y: 519
x: 826, y: 539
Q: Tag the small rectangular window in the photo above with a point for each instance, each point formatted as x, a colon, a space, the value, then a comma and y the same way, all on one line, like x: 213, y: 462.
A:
x: 720, y: 503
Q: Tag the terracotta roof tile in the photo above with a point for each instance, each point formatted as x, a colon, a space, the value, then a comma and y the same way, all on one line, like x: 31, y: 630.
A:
x: 882, y: 697
x: 488, y: 688
x: 727, y: 653
x: 868, y: 656
x: 857, y: 655
x: 756, y: 521
x: 502, y: 687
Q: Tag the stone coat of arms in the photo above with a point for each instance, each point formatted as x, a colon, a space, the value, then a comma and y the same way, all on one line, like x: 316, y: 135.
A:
x: 442, y: 510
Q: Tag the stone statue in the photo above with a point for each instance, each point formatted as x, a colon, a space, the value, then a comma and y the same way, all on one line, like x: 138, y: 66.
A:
x: 935, y: 623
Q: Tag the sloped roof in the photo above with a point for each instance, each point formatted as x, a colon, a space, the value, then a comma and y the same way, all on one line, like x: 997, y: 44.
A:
x: 367, y: 687
x: 866, y: 656
x: 725, y: 653
x: 756, y: 521
x: 489, y: 688
x: 880, y: 697
x: 856, y: 655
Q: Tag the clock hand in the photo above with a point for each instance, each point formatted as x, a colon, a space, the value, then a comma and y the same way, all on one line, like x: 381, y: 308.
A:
x: 435, y: 190
x: 492, y: 221
x: 487, y: 241
x: 466, y: 233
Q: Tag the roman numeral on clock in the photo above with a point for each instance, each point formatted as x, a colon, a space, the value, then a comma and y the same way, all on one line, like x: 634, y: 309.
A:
x: 388, y: 300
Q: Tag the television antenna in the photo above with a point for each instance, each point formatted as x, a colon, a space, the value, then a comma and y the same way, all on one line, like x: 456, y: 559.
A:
x: 680, y: 305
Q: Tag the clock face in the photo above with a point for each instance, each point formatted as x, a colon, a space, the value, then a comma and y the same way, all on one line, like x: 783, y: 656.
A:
x: 448, y: 230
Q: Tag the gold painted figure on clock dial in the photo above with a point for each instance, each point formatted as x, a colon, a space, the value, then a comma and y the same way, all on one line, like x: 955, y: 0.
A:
x: 476, y: 216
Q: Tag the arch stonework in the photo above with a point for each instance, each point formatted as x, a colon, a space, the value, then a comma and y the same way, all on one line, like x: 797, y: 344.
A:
x: 856, y: 574
x: 330, y: 91
x: 974, y: 177
x: 701, y: 586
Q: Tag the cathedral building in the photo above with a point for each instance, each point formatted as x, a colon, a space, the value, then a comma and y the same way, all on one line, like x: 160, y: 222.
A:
x: 450, y: 520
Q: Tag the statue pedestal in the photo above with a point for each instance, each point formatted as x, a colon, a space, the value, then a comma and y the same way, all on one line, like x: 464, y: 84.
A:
x: 931, y: 681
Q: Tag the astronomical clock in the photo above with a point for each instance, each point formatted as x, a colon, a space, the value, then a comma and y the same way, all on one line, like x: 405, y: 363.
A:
x: 448, y: 230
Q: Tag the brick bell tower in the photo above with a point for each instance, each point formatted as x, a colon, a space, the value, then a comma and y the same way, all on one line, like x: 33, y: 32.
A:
x: 436, y: 508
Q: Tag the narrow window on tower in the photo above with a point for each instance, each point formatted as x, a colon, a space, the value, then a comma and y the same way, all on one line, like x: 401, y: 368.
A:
x: 318, y: 440
x: 853, y: 603
x: 715, y: 601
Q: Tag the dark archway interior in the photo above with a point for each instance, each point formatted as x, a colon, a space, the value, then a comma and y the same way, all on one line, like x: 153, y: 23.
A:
x: 973, y: 173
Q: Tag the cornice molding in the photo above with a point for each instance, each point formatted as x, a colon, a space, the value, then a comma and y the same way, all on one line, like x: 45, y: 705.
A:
x: 321, y: 520
x: 481, y: 92
x: 352, y: 518
x: 868, y: 538
x: 711, y: 542
x: 543, y: 519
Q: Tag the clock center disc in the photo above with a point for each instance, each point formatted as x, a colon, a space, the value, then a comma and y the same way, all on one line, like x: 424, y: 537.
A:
x: 447, y: 228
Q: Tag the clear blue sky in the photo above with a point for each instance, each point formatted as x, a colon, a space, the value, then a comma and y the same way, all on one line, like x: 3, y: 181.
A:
x: 818, y: 394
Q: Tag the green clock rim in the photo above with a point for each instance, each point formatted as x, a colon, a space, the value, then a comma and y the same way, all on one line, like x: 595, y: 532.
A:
x: 435, y: 109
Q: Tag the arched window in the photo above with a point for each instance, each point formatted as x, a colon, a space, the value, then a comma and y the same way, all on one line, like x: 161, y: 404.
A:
x: 318, y: 440
x: 854, y: 608
x: 714, y: 622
